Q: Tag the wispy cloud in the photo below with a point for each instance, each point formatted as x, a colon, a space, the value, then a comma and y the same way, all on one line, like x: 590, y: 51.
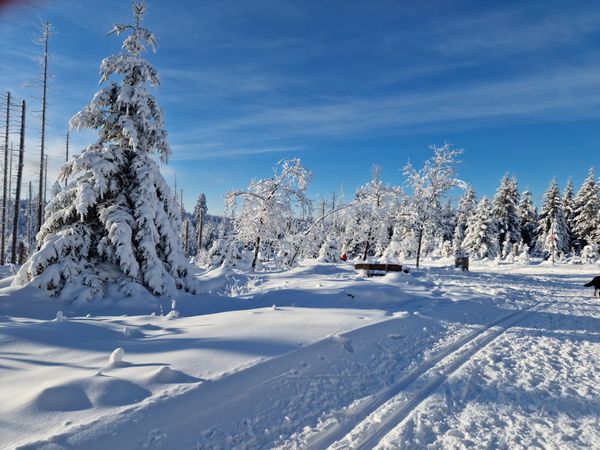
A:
x: 524, y: 28
x: 549, y: 95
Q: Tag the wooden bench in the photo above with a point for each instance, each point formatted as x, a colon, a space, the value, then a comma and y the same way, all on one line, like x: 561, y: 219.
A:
x: 380, y: 269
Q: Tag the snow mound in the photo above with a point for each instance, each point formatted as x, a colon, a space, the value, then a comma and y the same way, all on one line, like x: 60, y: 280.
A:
x: 68, y: 397
x: 166, y: 375
x: 109, y: 391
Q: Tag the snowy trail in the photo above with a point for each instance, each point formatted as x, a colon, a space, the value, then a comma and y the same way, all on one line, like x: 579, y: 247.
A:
x: 381, y: 385
x: 369, y: 424
x: 222, y: 411
x: 396, y: 404
x: 535, y: 385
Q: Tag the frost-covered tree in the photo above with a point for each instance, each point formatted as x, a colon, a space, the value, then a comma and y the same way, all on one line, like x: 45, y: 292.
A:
x: 528, y: 218
x: 115, y: 223
x: 586, y: 216
x: 506, y: 211
x: 370, y: 221
x: 330, y: 251
x: 523, y: 257
x: 553, y: 237
x: 464, y: 211
x: 481, y: 237
x: 428, y: 186
x: 569, y: 210
x: 590, y: 254
x: 186, y: 235
x: 56, y: 189
x: 200, y: 211
x: 267, y: 207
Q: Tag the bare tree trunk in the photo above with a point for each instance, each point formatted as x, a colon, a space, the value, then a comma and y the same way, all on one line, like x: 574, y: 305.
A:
x: 30, y: 221
x: 9, y: 198
x: 43, y: 134
x: 256, y: 253
x: 419, y: 247
x: 367, y: 246
x: 18, y: 189
x: 4, y: 194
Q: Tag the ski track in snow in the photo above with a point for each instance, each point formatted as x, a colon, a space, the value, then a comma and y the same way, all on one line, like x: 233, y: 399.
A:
x: 510, y: 375
x: 393, y: 405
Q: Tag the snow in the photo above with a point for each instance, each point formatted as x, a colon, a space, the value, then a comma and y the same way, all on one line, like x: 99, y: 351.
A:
x: 506, y: 355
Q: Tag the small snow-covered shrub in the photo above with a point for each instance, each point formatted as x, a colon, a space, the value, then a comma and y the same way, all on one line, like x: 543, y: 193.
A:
x: 447, y: 249
x: 217, y: 253
x: 330, y: 251
x: 523, y: 257
x: 590, y: 254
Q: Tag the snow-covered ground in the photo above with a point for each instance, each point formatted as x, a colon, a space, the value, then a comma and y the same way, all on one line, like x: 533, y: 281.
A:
x: 505, y: 356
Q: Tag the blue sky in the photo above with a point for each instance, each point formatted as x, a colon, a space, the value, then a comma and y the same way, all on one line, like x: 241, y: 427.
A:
x: 340, y: 84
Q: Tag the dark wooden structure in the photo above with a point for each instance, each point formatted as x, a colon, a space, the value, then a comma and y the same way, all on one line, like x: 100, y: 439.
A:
x: 380, y: 269
x: 462, y: 262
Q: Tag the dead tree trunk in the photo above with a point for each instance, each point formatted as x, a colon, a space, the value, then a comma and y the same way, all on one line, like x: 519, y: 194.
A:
x: 30, y: 221
x: 67, y: 154
x: 45, y: 181
x: 41, y: 195
x: 5, y: 187
x: 15, y: 238
x: 9, y: 198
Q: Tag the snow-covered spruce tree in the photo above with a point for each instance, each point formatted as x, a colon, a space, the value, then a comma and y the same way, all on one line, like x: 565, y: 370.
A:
x: 56, y: 189
x: 267, y: 207
x: 464, y: 211
x: 186, y: 235
x: 115, y: 223
x: 481, y: 237
x: 553, y: 238
x: 200, y: 211
x: 586, y: 217
x: 506, y: 211
x: 569, y: 210
x: 528, y: 218
x: 428, y: 186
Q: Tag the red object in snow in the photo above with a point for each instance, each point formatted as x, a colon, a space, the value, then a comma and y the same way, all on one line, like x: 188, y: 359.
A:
x: 344, y: 257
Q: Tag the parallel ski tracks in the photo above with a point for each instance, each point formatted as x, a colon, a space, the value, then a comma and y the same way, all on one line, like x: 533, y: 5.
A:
x: 369, y: 431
